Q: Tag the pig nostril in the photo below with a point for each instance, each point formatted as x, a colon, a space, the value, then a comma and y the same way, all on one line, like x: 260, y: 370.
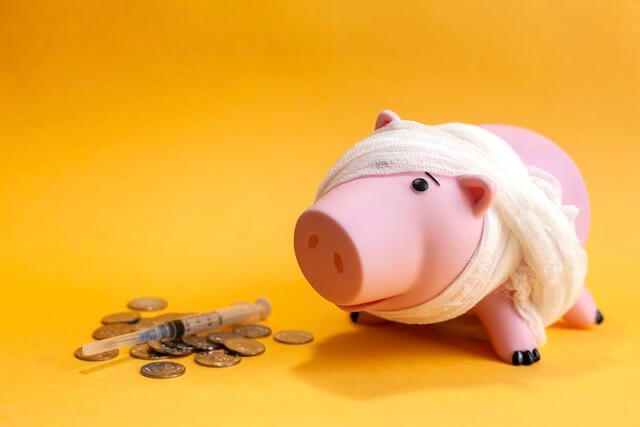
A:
x: 313, y: 241
x: 337, y: 261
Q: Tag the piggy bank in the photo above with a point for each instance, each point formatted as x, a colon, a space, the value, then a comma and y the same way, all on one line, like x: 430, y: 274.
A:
x: 422, y: 224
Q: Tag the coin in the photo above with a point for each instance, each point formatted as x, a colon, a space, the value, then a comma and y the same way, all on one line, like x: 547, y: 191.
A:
x: 147, y: 304
x: 162, y: 370
x: 244, y: 346
x: 293, y: 337
x: 253, y: 331
x: 171, y: 347
x: 112, y: 330
x: 124, y: 317
x: 100, y: 357
x: 221, y: 337
x: 206, y: 332
x: 143, y: 351
x: 144, y: 324
x: 217, y: 359
x: 199, y: 343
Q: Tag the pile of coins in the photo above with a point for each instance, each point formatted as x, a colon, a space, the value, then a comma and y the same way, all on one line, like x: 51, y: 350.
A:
x: 215, y: 349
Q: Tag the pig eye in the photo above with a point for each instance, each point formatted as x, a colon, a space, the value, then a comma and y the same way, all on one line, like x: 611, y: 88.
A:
x: 420, y: 184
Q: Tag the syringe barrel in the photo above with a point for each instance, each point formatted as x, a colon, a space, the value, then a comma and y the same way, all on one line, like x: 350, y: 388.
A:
x: 245, y: 313
x: 241, y: 313
x: 233, y: 315
x: 200, y: 322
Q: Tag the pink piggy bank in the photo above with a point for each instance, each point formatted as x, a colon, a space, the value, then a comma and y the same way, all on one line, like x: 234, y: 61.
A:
x: 421, y: 224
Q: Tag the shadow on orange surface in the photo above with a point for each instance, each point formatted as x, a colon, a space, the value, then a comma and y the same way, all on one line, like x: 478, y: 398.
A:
x: 377, y: 361
x: 106, y: 365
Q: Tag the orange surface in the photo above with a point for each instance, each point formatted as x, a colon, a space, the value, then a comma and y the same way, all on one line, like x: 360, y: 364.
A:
x: 168, y: 147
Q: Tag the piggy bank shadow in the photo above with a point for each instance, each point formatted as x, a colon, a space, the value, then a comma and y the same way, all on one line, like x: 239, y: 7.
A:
x: 376, y: 361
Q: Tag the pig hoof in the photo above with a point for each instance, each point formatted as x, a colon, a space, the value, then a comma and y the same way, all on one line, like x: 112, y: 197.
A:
x: 536, y: 354
x: 364, y: 318
x: 525, y: 357
x: 599, y: 317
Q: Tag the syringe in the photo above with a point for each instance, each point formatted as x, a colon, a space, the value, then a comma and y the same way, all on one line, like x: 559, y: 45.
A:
x: 237, y: 313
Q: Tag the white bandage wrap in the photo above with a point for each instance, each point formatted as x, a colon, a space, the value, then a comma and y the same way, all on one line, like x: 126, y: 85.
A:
x: 528, y: 243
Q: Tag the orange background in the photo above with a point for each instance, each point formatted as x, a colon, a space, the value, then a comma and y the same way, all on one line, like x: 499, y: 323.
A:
x: 167, y: 148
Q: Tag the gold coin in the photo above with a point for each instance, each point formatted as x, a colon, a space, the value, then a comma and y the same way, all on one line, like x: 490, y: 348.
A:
x: 253, y: 331
x: 162, y: 370
x: 221, y: 337
x: 244, y: 346
x: 293, y: 337
x: 124, y: 317
x: 171, y: 347
x: 147, y: 304
x: 143, y: 351
x: 100, y: 357
x: 206, y: 332
x: 112, y: 330
x: 199, y: 343
x: 217, y: 359
x: 144, y: 324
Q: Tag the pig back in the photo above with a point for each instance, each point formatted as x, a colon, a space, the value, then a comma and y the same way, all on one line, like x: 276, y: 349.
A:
x: 536, y: 150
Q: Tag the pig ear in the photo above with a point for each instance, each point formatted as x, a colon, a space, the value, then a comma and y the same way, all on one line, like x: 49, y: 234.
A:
x: 386, y: 117
x: 481, y: 191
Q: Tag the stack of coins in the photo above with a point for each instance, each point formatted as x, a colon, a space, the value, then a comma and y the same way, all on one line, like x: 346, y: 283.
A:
x: 216, y: 349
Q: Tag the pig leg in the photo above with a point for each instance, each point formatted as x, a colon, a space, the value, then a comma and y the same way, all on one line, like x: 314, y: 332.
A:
x: 364, y: 318
x: 584, y: 312
x: 510, y: 335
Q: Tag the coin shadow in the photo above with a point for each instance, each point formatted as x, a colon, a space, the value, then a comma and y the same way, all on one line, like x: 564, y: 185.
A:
x: 105, y: 365
x: 376, y: 361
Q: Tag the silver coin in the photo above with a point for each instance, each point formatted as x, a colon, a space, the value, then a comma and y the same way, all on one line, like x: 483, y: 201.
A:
x: 199, y: 343
x: 124, y: 317
x: 217, y: 359
x: 253, y: 331
x: 112, y: 330
x: 293, y: 337
x: 147, y: 304
x: 221, y: 337
x: 171, y: 347
x: 162, y: 370
x: 143, y: 351
x: 100, y: 357
x: 244, y: 346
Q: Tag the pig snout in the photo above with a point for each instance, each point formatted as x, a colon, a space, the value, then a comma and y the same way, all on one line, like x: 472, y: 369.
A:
x: 356, y: 248
x: 328, y: 257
